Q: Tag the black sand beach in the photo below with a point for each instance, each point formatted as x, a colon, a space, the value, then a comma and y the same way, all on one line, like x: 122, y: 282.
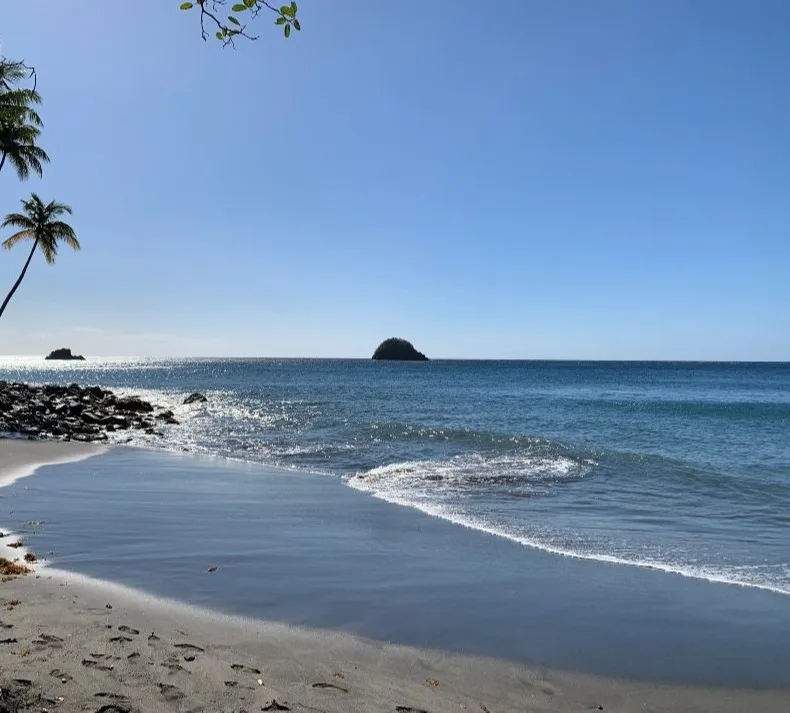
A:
x: 328, y: 557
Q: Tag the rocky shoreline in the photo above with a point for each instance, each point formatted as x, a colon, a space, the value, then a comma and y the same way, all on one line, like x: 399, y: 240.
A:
x: 75, y: 413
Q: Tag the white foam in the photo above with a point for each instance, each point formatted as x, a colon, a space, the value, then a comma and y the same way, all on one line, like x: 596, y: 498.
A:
x: 467, y: 520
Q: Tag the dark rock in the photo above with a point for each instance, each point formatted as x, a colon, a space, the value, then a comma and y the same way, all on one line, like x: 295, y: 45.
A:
x: 54, y: 390
x: 195, y: 398
x: 75, y: 408
x: 396, y: 349
x: 71, y: 412
x: 65, y: 354
x: 133, y: 404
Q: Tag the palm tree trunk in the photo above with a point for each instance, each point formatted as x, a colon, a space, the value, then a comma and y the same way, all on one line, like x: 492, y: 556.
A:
x: 21, y: 277
x: 2, y: 160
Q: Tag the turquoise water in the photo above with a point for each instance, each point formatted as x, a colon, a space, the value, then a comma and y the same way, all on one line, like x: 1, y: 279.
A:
x: 682, y: 467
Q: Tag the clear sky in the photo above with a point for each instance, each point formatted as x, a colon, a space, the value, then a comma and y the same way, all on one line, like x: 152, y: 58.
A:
x: 554, y: 179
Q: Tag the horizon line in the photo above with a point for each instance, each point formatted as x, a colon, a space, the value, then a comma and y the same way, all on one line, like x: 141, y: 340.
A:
x: 437, y: 359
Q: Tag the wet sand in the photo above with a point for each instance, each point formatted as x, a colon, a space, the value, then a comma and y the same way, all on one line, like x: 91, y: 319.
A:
x: 80, y: 645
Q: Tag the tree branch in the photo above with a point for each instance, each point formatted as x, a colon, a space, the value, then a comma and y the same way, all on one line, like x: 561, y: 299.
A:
x: 227, y: 32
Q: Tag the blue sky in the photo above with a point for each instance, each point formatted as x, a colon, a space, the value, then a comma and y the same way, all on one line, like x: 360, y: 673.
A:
x: 546, y: 179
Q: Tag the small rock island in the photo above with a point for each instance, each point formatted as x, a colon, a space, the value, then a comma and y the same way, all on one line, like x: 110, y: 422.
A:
x: 65, y: 354
x: 396, y: 349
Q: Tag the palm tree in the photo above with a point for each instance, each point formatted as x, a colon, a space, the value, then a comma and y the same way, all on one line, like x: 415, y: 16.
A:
x: 38, y: 223
x: 16, y: 98
x: 19, y: 122
x: 18, y: 145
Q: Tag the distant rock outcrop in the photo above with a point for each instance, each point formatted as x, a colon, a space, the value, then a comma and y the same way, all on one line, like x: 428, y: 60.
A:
x: 396, y: 349
x: 64, y: 354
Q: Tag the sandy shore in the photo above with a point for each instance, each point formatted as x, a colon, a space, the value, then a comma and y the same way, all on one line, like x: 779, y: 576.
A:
x: 72, y: 644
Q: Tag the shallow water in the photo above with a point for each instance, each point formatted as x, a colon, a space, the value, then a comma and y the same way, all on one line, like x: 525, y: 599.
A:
x: 683, y: 467
x: 307, y: 550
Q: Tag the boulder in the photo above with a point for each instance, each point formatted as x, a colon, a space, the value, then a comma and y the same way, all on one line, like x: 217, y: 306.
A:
x: 134, y: 404
x: 396, y: 349
x: 72, y: 412
x: 195, y: 398
x: 64, y: 353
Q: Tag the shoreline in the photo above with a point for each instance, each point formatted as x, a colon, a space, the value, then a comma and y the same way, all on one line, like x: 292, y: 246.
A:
x: 63, y: 621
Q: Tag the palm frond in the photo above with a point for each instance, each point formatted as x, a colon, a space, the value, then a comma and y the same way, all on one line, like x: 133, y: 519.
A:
x: 49, y: 249
x: 27, y: 234
x: 12, y: 72
x: 54, y: 208
x: 18, y: 144
x: 61, y: 230
x: 17, y: 105
x: 18, y: 220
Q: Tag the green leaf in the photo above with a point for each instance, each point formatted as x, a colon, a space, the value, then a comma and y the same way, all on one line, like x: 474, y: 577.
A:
x: 239, y: 7
x: 286, y: 10
x: 218, y: 35
x: 233, y: 20
x: 249, y: 3
x: 296, y: 24
x: 293, y: 7
x: 287, y: 30
x: 186, y: 5
x: 280, y: 21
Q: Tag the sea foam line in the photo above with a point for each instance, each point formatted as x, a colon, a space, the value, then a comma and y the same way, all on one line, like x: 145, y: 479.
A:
x: 472, y: 523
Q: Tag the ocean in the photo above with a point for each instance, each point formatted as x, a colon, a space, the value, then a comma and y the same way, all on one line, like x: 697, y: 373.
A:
x: 628, y: 519
x: 678, y: 467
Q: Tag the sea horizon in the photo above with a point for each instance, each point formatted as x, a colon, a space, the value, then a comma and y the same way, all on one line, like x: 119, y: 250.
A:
x: 570, y: 360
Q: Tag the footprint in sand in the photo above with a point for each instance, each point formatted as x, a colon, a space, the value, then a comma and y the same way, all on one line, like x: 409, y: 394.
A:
x: 330, y: 685
x: 8, y: 641
x: 244, y: 669
x: 171, y: 693
x: 48, y: 640
x: 120, y: 640
x: 128, y: 630
x: 275, y: 706
x: 173, y: 666
x: 114, y: 708
x: 153, y: 637
x: 95, y: 664
x: 62, y: 675
x: 409, y: 709
x: 111, y: 696
x: 191, y: 647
